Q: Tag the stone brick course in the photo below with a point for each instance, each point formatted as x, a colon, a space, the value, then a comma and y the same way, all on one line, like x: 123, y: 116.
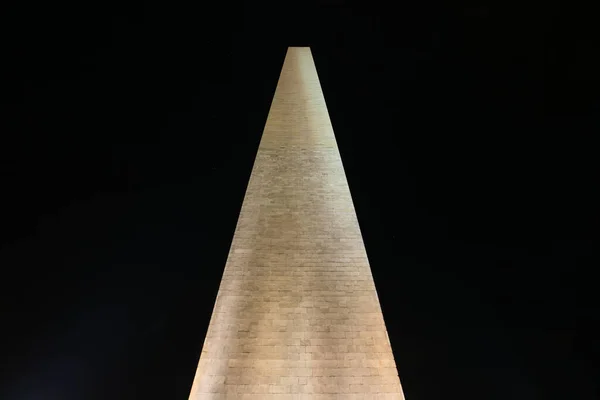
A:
x: 297, y: 315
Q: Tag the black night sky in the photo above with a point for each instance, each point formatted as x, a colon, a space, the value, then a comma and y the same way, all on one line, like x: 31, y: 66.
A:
x: 466, y: 132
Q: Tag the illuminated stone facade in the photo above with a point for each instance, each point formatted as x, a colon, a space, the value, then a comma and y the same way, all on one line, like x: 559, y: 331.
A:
x: 297, y: 315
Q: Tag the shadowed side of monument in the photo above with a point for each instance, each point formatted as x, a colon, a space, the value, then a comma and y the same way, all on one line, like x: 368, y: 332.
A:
x: 297, y: 314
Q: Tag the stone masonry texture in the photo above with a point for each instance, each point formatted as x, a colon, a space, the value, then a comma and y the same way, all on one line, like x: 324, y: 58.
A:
x: 297, y: 315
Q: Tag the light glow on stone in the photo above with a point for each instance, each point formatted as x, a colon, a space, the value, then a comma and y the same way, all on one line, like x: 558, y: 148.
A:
x: 297, y: 315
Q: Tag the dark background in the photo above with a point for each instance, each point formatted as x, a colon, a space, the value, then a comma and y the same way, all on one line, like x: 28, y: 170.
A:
x: 466, y: 131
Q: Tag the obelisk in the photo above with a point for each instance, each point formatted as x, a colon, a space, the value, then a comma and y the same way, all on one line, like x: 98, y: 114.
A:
x: 297, y: 315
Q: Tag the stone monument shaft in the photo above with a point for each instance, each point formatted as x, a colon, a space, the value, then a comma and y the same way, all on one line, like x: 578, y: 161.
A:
x: 297, y: 315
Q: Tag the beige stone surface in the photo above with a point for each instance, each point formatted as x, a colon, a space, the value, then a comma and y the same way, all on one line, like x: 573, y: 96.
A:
x: 297, y: 315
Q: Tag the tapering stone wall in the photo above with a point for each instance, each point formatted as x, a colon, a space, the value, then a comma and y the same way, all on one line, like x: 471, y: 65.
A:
x: 297, y: 315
